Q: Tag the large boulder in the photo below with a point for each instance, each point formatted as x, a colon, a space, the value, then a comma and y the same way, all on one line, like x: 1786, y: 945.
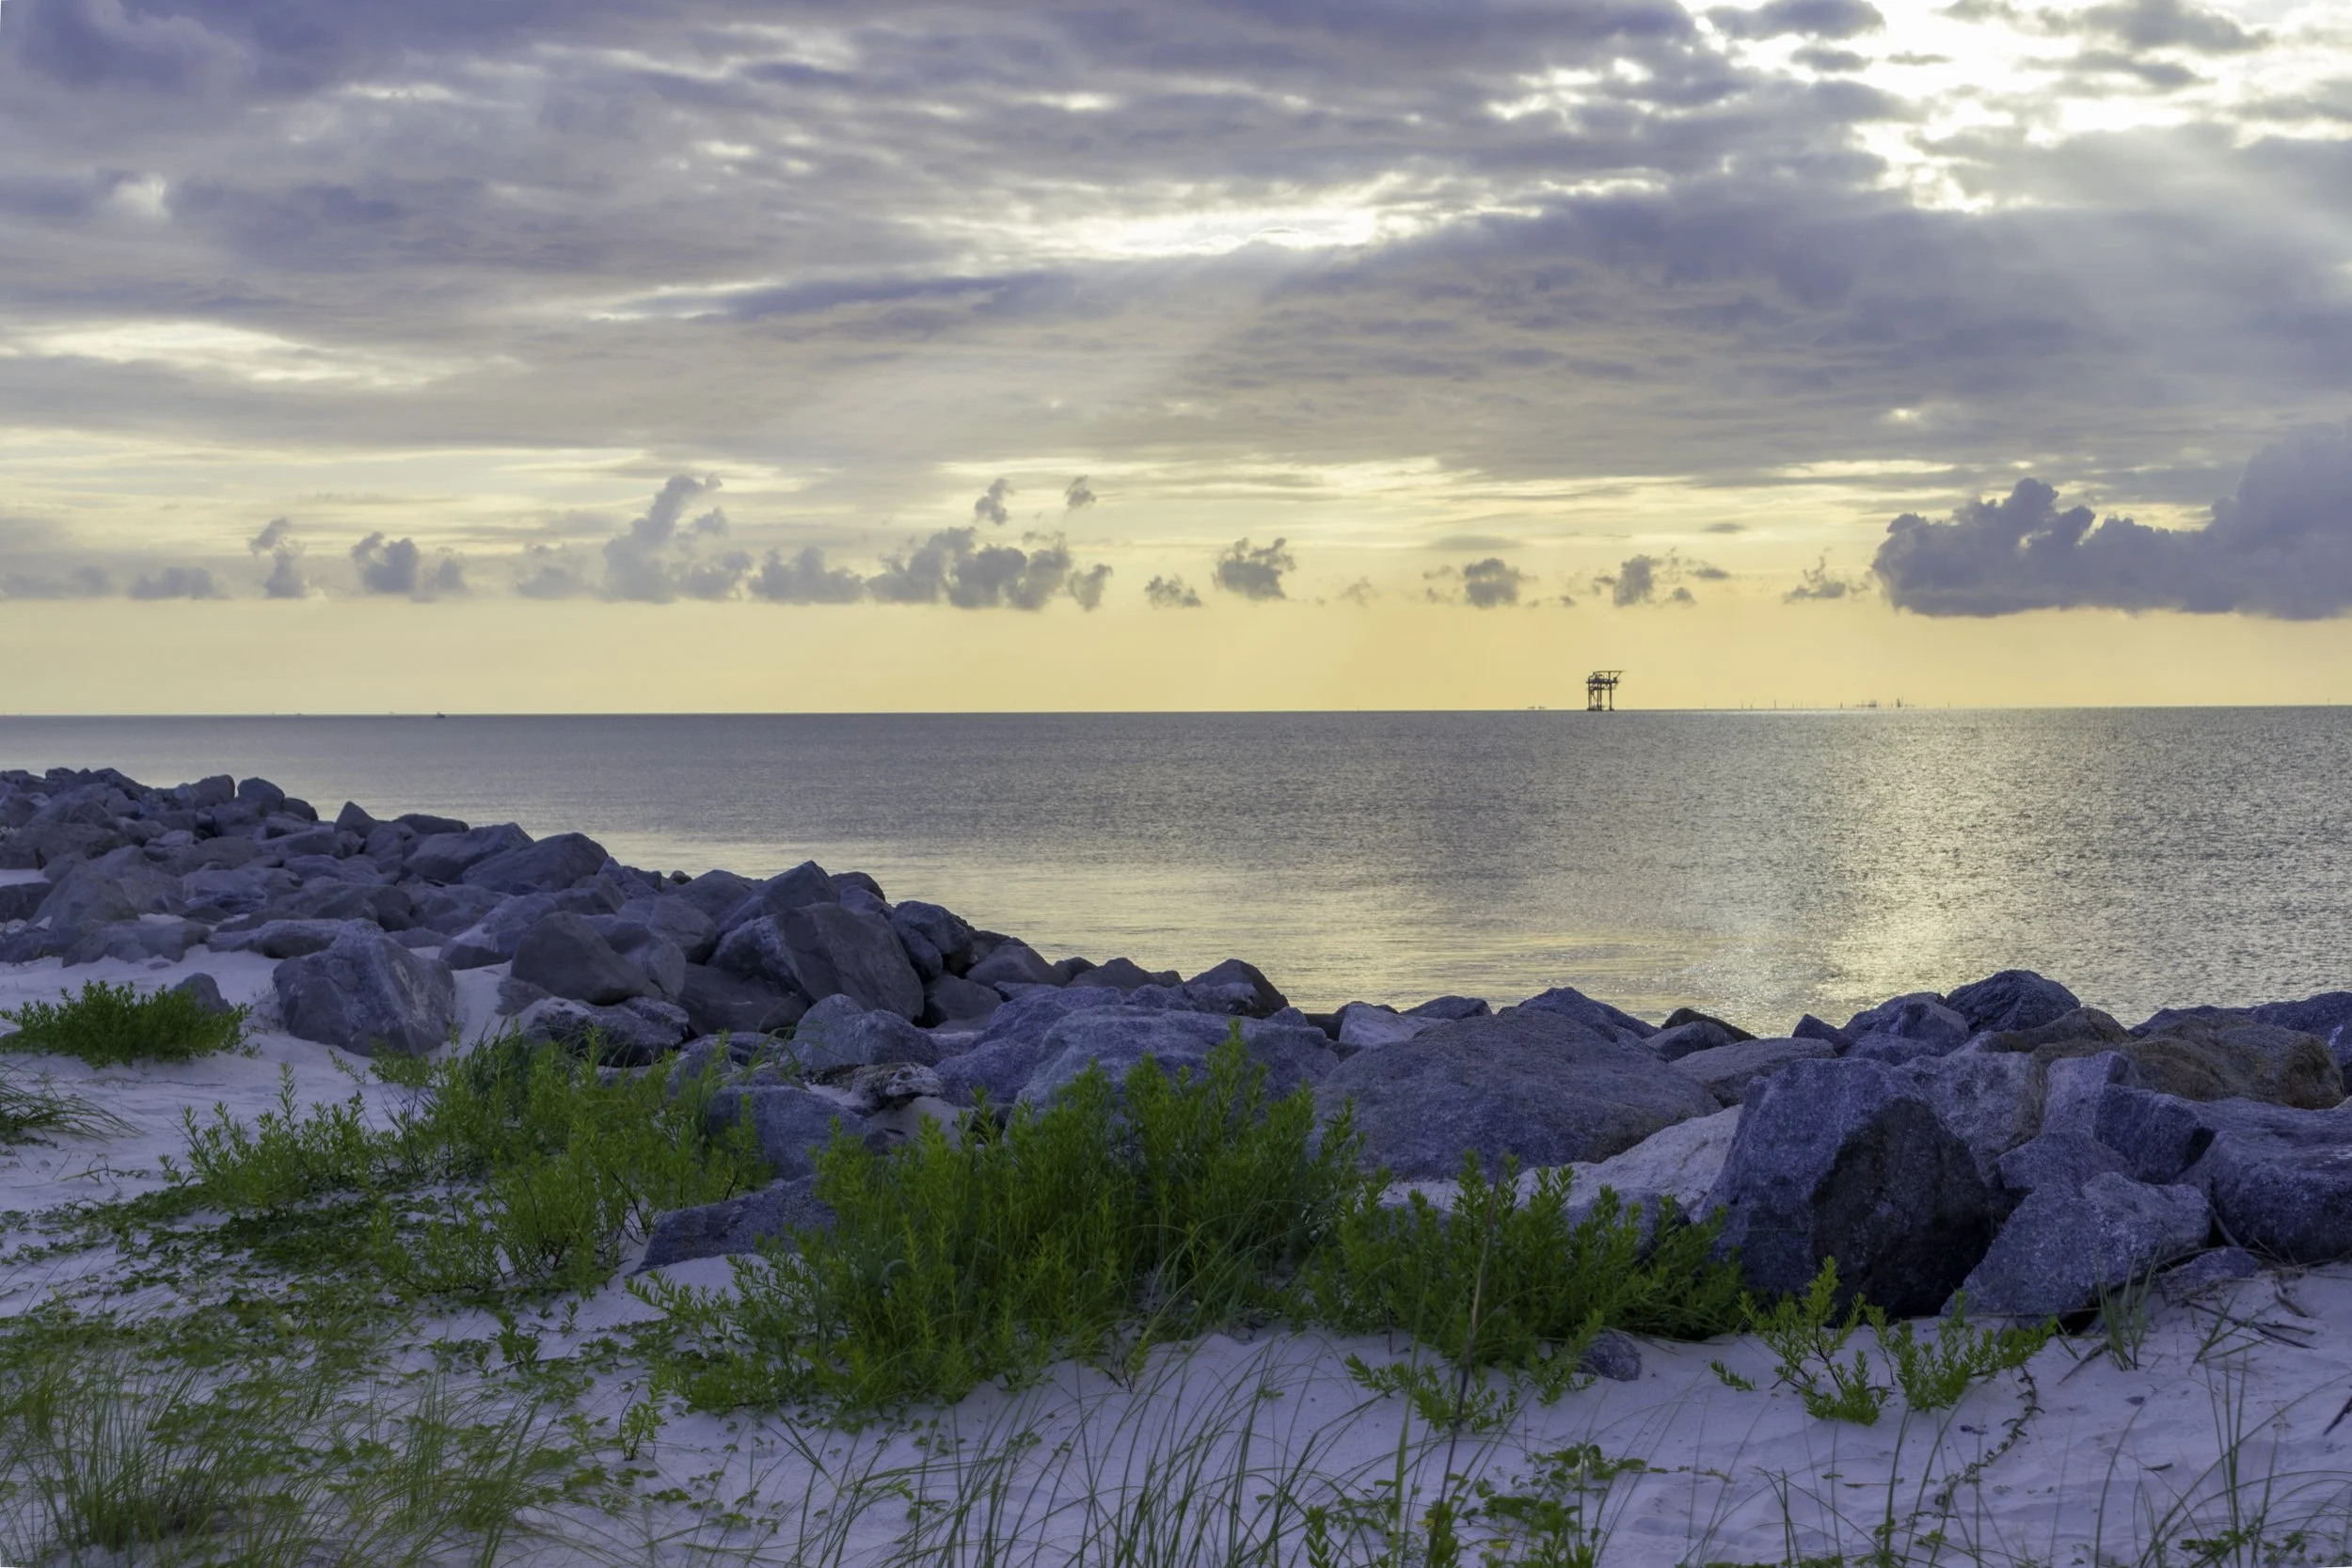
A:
x: 1367, y: 1026
x: 2064, y: 1245
x: 1294, y: 1052
x: 718, y: 1003
x: 367, y: 993
x: 804, y: 884
x: 941, y: 930
x: 451, y: 910
x: 1534, y: 1083
x: 838, y: 951
x: 2062, y: 1160
x: 788, y: 1123
x: 636, y: 1033
x: 157, y: 936
x: 84, y: 899
x: 715, y: 893
x: 1264, y: 1001
x: 566, y: 956
x: 550, y: 865
x: 492, y: 940
x: 678, y: 919
x: 2207, y: 1060
x: 953, y: 999
x: 389, y: 907
x: 836, y: 1032
x: 1920, y: 1019
x: 1677, y: 1041
x: 1993, y: 1101
x: 736, y: 1224
x: 1014, y: 963
x: 287, y: 939
x: 447, y: 857
x: 1728, y: 1071
x: 1848, y: 1159
x: 664, y: 960
x: 2280, y: 1178
x: 1597, y: 1017
x: 1682, y: 1162
x: 2013, y: 999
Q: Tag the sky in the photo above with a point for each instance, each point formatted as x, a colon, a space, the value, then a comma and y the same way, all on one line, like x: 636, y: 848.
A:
x: 701, y: 356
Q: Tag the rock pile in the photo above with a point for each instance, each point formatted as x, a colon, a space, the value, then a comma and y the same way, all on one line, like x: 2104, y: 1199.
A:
x: 2002, y: 1139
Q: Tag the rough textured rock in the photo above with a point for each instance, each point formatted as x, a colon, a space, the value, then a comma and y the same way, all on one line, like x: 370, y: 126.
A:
x: 2158, y: 1135
x: 1450, y: 1009
x: 84, y: 899
x: 2064, y: 1245
x: 2062, y: 1160
x: 549, y: 866
x: 718, y: 1003
x: 1012, y: 963
x: 1811, y: 1028
x: 756, y: 951
x: 634, y: 1033
x: 1726, y: 1070
x: 941, y: 930
x: 2280, y: 1178
x: 1126, y: 974
x: 1993, y: 1101
x: 367, y: 993
x: 1682, y: 1162
x: 1612, y: 1356
x: 954, y: 997
x: 1530, y: 1083
x: 287, y: 939
x: 205, y: 990
x: 2070, y: 1088
x: 1848, y: 1159
x: 137, y: 941
x: 834, y: 950
x: 451, y: 910
x: 788, y: 1123
x: 1677, y: 1041
x: 1921, y: 1017
x: 389, y: 908
x: 695, y: 933
x: 804, y: 884
x: 445, y: 857
x: 1597, y: 1017
x: 1366, y: 1026
x: 1294, y: 1052
x: 663, y: 961
x: 716, y: 894
x: 1681, y: 1016
x: 2013, y: 999
x: 836, y: 1033
x: 2225, y: 1060
x: 566, y: 956
x: 2224, y: 1265
x: 1264, y: 1000
x: 737, y: 1224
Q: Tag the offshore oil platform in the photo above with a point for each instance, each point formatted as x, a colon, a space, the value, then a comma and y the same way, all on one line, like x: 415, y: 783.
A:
x: 1600, y: 690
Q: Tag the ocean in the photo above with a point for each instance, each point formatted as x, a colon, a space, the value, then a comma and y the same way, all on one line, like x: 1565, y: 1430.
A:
x: 1758, y: 866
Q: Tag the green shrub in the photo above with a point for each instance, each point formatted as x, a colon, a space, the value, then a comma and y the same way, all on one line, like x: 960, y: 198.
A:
x: 1501, y: 1283
x: 514, y: 1164
x: 1100, y: 1224
x: 108, y: 1025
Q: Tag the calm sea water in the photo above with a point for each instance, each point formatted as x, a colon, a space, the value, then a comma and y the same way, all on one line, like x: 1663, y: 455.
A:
x: 1756, y: 864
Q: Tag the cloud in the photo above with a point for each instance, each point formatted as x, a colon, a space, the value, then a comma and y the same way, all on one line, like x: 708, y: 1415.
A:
x: 1076, y: 494
x: 2280, y: 547
x: 952, y: 566
x: 1254, y: 574
x: 1820, y: 18
x: 77, y: 582
x: 1818, y: 584
x: 550, y: 572
x: 1638, y: 581
x: 806, y: 580
x: 1725, y: 528
x: 1475, y: 541
x: 398, y: 566
x: 991, y: 507
x: 285, y: 580
x: 1360, y: 593
x: 177, y: 582
x: 2169, y: 25
x: 658, y: 556
x: 1486, y: 584
x: 1170, y: 592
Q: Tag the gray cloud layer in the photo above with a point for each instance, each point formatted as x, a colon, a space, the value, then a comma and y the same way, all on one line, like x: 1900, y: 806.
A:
x: 1254, y: 573
x: 2280, y: 547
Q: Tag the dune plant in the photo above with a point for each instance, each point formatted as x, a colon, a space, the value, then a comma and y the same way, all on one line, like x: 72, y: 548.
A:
x: 40, y: 1108
x: 1112, y: 1220
x: 109, y: 1025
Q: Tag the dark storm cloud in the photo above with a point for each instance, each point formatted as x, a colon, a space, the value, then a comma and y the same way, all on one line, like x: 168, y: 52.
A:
x: 398, y: 566
x: 1254, y: 573
x: 953, y: 567
x: 1170, y: 592
x: 2280, y: 547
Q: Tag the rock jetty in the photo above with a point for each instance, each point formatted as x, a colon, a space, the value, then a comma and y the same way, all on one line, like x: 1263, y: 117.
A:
x: 2002, y: 1140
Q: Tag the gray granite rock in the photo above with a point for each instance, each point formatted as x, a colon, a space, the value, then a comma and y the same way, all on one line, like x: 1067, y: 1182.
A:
x: 736, y: 1226
x: 566, y: 956
x: 1727, y: 1070
x: 788, y: 1123
x: 2063, y: 1245
x: 367, y: 993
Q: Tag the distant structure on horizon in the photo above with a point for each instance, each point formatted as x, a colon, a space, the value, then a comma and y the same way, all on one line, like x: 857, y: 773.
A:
x: 1600, y: 690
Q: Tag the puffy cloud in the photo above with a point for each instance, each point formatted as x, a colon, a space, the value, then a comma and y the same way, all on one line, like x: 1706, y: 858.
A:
x: 1641, y: 577
x: 1254, y: 574
x: 1170, y: 592
x: 805, y: 578
x: 954, y: 567
x: 550, y: 572
x: 285, y: 580
x: 2282, y: 546
x: 177, y: 582
x: 1076, y: 494
x: 1486, y: 584
x: 1359, y: 592
x: 398, y: 566
x: 991, y: 507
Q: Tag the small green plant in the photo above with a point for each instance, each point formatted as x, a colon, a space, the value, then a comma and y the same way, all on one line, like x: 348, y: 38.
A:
x: 108, y: 1025
x: 1498, y: 1282
x: 1095, y: 1228
x: 1808, y: 1337
x: 1552, y: 1519
x: 2123, y: 1319
x: 1934, y: 1374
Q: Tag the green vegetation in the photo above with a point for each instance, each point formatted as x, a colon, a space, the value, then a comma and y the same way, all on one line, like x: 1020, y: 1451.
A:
x: 514, y: 1165
x: 109, y: 1025
x: 1096, y: 1228
x: 40, y: 1108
